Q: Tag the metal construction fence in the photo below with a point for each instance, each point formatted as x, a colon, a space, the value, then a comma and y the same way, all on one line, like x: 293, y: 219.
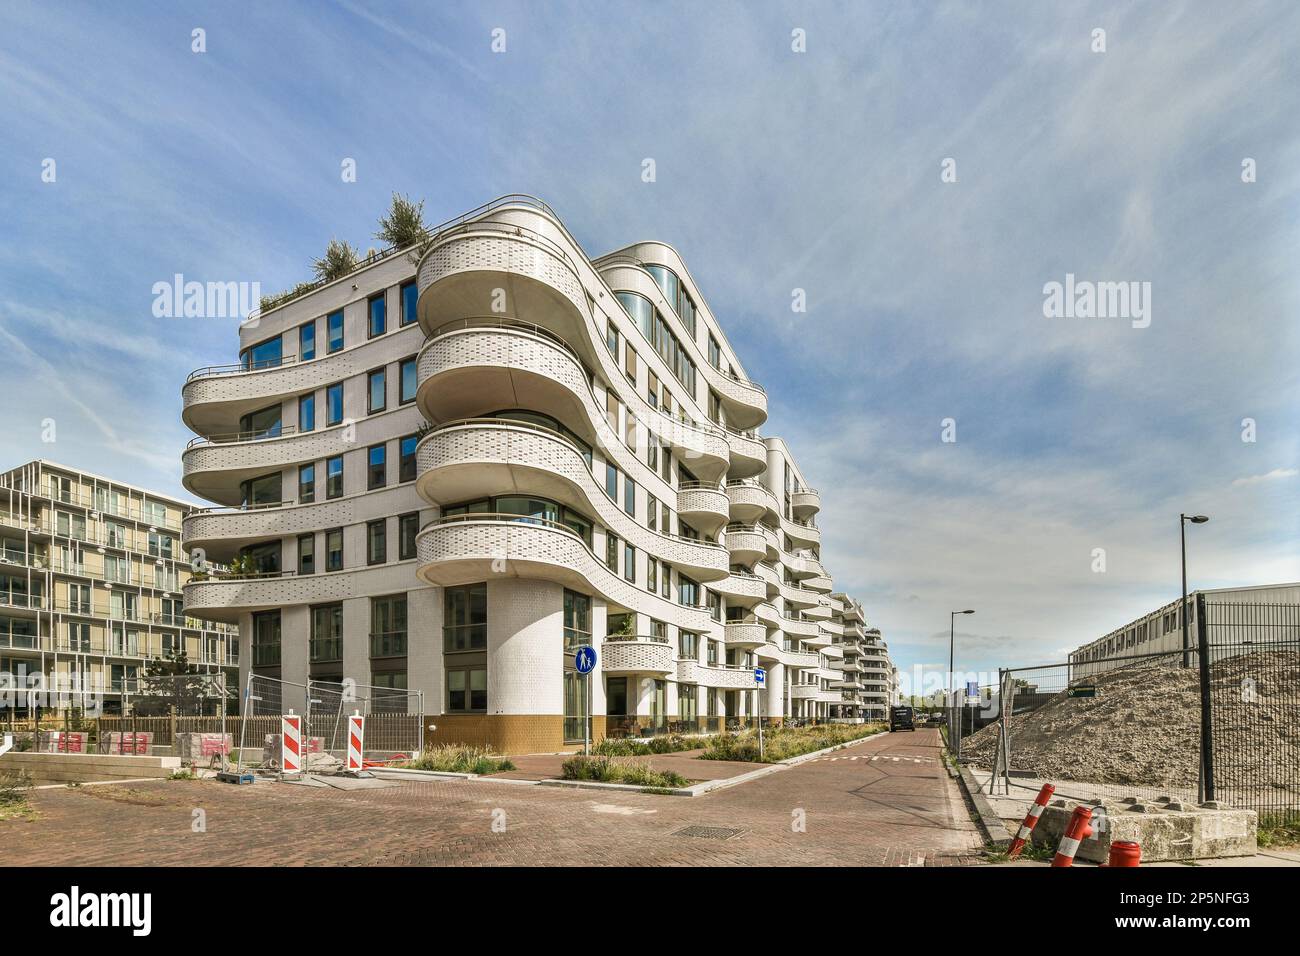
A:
x: 394, y: 725
x: 1217, y: 720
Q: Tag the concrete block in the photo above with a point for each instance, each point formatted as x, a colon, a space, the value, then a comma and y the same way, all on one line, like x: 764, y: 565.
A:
x: 1165, y: 828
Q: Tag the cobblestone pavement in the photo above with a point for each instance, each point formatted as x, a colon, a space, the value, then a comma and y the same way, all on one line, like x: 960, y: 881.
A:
x: 898, y: 809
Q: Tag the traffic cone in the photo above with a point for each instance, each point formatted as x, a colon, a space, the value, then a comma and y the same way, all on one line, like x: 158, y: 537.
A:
x: 1125, y: 853
x: 1079, y: 829
x: 1031, y: 820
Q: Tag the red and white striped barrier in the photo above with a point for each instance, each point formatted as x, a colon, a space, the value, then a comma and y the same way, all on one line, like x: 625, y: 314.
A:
x: 356, y: 738
x: 1031, y: 820
x: 291, y: 743
x: 1078, y: 830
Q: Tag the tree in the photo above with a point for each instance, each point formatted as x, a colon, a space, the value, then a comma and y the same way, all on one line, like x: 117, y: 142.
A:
x: 404, y: 226
x: 172, y: 685
x: 340, y: 258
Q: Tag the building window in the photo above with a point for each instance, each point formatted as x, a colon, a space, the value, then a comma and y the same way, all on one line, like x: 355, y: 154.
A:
x: 666, y: 581
x: 407, y: 526
x: 377, y: 541
x: 465, y: 618
x: 307, y: 342
x: 307, y: 412
x: 406, y: 459
x: 611, y: 410
x: 377, y: 390
x: 376, y: 308
x: 306, y: 484
x: 629, y: 363
x: 410, y: 299
x: 611, y: 552
x: 262, y: 355
x: 306, y: 554
x: 266, y: 639
x: 388, y: 626
x: 611, y: 481
x: 334, y: 404
x: 334, y: 477
x: 651, y: 575
x: 253, y: 493
x: 334, y: 332
x: 629, y: 495
x: 666, y: 465
x: 611, y: 340
x: 652, y: 512
x: 688, y: 645
x: 334, y: 549
x: 629, y: 562
x: 407, y: 381
x: 652, y: 454
x: 327, y: 633
x: 466, y: 689
x: 577, y: 619
x: 688, y: 591
x: 715, y: 353
x: 377, y: 467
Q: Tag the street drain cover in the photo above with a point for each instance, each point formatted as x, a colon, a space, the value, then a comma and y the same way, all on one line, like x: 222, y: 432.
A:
x: 709, y: 833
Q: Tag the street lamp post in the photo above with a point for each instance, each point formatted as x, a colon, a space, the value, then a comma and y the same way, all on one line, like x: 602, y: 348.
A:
x: 1182, y: 536
x: 954, y: 734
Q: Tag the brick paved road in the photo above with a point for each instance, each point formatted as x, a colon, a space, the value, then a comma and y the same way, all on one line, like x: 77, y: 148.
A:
x: 886, y: 801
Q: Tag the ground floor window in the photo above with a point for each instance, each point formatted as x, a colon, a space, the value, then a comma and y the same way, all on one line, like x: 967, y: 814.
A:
x: 688, y: 697
x: 466, y: 689
x: 616, y: 696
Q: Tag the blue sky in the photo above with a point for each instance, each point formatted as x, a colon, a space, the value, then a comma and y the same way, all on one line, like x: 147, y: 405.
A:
x: 775, y: 170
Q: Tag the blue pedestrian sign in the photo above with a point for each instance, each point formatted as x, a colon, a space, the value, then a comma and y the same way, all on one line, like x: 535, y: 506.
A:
x: 760, y: 676
x: 584, y: 659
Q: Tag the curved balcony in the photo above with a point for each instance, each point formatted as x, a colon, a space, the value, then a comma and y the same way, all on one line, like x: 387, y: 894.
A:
x: 213, y: 466
x: 477, y: 458
x: 803, y: 566
x: 748, y: 454
x: 751, y: 501
x: 642, y: 654
x: 767, y: 615
x: 806, y: 503
x: 746, y: 544
x: 819, y: 583
x: 744, y: 402
x: 744, y: 635
x: 225, y: 598
x: 800, y: 659
x: 727, y: 676
x: 213, y: 397
x: 703, y: 505
x: 481, y: 547
x: 742, y: 589
x: 801, y: 535
x: 803, y: 630
x: 473, y: 366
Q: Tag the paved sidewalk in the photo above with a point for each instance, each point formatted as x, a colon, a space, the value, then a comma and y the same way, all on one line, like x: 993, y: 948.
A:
x: 831, y: 811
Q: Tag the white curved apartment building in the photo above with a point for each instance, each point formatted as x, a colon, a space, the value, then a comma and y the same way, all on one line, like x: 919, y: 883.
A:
x: 451, y: 473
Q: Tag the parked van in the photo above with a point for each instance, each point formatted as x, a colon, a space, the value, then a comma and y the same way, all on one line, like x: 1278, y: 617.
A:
x: 900, y: 718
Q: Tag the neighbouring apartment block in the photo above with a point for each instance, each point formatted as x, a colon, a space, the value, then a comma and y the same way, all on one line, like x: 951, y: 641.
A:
x: 445, y: 472
x: 91, y: 579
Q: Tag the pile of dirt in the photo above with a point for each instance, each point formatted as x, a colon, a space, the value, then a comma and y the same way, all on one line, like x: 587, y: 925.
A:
x: 1143, y: 727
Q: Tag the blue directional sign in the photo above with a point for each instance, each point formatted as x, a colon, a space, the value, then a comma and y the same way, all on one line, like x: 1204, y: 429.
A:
x: 584, y: 659
x: 760, y: 676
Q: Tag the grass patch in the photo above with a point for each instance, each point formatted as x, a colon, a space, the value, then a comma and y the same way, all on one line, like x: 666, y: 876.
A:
x: 605, y: 769
x: 785, y: 742
x: 1278, y: 829
x: 1030, y: 851
x: 14, y: 788
x: 666, y: 744
x: 457, y: 758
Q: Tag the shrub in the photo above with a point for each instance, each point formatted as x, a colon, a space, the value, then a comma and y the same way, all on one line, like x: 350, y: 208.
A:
x: 458, y: 758
x: 340, y: 258
x: 607, y: 769
x: 404, y: 225
x: 13, y: 795
x: 785, y: 742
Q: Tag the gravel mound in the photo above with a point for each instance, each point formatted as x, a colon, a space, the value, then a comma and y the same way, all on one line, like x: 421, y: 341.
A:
x: 1143, y: 727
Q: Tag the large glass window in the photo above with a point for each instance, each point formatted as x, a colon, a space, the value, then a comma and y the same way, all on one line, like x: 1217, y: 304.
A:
x: 577, y: 619
x: 263, y: 423
x: 377, y: 390
x: 660, y: 336
x: 388, y: 626
x: 629, y: 562
x: 406, y: 460
x: 334, y: 329
x: 377, y: 308
x: 264, y: 557
x: 307, y: 412
x: 307, y: 342
x: 306, y: 554
x: 260, y: 491
x: 611, y: 481
x: 465, y: 618
x: 407, y: 381
x: 334, y: 477
x: 266, y: 354
x: 334, y: 403
x: 688, y: 591
x: 334, y: 549
x: 377, y: 541
x: 306, y: 484
x: 376, y: 467
x: 629, y: 495
x: 327, y: 632
x: 466, y: 689
x: 410, y: 299
x: 266, y: 639
x: 407, y: 526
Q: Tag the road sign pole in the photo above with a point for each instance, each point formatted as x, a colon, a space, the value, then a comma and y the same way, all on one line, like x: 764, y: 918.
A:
x: 586, y: 742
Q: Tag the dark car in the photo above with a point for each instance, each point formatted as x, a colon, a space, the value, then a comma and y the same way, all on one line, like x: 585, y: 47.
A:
x: 900, y: 718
